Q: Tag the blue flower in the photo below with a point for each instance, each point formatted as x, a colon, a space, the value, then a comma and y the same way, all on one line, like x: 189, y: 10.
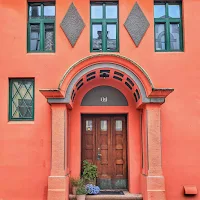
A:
x: 92, y: 189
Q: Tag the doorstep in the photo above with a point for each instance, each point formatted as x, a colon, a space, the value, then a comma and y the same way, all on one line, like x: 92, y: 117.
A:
x: 126, y: 196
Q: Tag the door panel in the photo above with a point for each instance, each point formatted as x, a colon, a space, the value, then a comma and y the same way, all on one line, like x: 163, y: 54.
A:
x: 104, y: 144
x: 103, y: 147
x: 88, y: 139
x: 119, y: 176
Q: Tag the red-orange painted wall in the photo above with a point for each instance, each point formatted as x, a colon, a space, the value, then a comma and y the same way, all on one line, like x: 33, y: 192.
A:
x: 25, y: 146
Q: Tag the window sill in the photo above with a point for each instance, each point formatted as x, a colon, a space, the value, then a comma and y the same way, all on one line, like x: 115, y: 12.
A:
x: 169, y: 52
x: 104, y: 51
x: 21, y: 122
x: 41, y: 53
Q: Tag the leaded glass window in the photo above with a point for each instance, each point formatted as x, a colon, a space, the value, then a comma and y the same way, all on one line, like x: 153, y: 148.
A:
x: 41, y: 27
x: 168, y: 26
x: 21, y: 99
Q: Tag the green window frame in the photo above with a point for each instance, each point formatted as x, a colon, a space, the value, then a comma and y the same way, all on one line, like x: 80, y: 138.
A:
x: 41, y: 27
x: 105, y: 23
x: 21, y: 99
x: 168, y: 43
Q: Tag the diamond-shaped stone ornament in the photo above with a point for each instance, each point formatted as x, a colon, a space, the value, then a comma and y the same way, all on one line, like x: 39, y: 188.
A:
x: 72, y: 25
x: 136, y: 24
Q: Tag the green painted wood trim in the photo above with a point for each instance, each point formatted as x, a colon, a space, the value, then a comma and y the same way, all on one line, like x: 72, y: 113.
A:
x: 167, y: 21
x: 10, y: 99
x: 104, y: 23
x: 41, y: 21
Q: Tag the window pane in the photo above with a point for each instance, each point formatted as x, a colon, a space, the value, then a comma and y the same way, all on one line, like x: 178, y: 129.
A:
x: 97, y: 12
x: 174, y: 11
x: 118, y: 125
x: 88, y: 125
x: 160, y: 36
x: 49, y: 37
x: 22, y: 99
x: 97, y: 37
x: 175, y: 36
x: 34, y: 11
x: 104, y: 125
x: 49, y: 11
x: 159, y: 11
x: 111, y: 12
x: 34, y: 37
x: 111, y: 37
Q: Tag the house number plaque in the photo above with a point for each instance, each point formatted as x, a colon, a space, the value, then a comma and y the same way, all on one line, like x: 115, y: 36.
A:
x: 104, y: 99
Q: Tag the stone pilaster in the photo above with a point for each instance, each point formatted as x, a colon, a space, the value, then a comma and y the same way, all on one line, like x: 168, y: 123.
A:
x: 155, y: 184
x: 58, y: 182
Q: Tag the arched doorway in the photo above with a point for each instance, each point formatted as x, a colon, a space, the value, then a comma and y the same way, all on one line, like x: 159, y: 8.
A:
x: 107, y: 111
x: 144, y: 169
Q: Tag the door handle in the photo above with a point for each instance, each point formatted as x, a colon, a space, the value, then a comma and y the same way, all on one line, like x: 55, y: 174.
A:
x: 99, y: 155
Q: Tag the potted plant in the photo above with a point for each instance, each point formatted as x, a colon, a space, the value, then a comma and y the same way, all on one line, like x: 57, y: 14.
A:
x: 81, y: 192
x: 89, y: 172
x: 75, y: 183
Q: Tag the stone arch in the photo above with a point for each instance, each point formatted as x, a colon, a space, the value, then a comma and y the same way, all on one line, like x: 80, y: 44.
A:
x: 99, y: 66
x: 109, y: 58
x: 131, y: 69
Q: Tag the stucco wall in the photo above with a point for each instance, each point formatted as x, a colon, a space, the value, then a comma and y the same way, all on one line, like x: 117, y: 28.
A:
x: 25, y: 146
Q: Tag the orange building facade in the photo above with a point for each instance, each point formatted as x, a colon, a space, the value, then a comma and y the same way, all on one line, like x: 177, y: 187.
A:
x: 116, y: 84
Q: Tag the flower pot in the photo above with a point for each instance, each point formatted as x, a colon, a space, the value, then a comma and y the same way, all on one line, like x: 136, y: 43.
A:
x: 74, y: 188
x: 80, y: 197
x: 93, y: 182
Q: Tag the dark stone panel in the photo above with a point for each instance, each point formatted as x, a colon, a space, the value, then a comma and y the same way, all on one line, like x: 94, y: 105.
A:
x: 72, y: 25
x: 104, y: 96
x: 136, y: 24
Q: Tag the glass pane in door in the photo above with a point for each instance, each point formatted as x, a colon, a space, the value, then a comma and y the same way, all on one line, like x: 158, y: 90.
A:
x: 88, y: 125
x: 104, y: 126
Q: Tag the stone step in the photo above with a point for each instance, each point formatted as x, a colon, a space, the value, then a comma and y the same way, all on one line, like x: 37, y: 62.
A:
x: 126, y: 196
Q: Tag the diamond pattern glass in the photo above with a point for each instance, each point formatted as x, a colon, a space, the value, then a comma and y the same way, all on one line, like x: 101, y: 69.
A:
x: 21, y: 98
x: 49, y: 37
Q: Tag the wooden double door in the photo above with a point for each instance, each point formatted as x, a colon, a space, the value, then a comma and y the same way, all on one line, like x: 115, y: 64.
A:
x: 104, y: 143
